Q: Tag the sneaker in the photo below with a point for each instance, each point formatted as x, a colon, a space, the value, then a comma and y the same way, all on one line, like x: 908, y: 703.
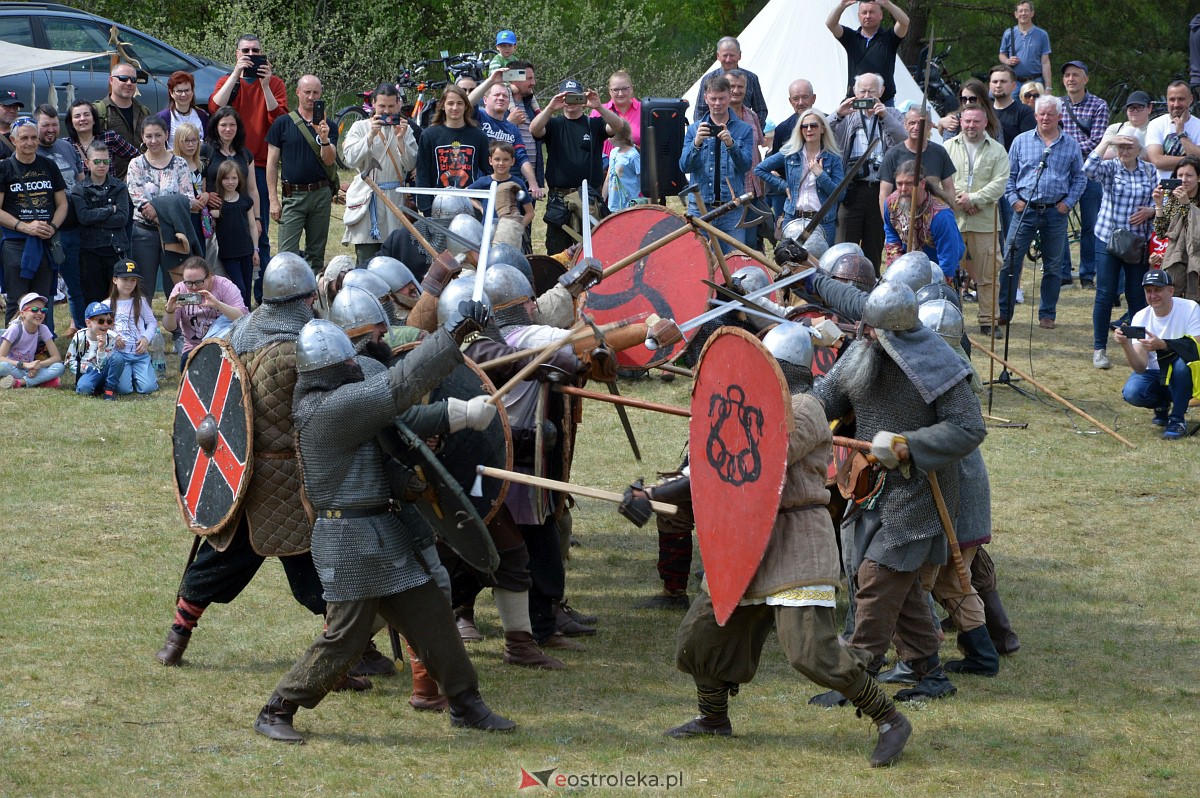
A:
x: 110, y: 395
x: 1160, y: 416
x: 1020, y: 296
x: 7, y: 381
x: 1100, y: 359
x: 54, y: 383
x: 1174, y: 431
x: 1046, y: 323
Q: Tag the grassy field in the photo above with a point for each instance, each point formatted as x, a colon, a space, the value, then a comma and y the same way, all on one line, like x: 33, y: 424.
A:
x: 1093, y: 542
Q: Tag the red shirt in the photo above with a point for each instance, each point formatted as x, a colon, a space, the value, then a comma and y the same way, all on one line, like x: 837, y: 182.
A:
x: 252, y: 108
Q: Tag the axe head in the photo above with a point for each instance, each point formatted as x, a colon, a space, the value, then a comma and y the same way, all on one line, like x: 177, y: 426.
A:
x: 688, y: 190
x: 752, y: 216
x: 371, y: 165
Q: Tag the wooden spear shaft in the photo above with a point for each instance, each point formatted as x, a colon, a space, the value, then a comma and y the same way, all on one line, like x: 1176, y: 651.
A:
x: 513, y: 357
x: 628, y: 401
x: 391, y: 206
x: 544, y: 354
x: 1051, y: 393
x: 716, y: 232
x: 568, y: 487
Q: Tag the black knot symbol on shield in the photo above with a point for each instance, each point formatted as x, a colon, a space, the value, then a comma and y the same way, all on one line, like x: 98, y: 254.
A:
x: 733, y: 440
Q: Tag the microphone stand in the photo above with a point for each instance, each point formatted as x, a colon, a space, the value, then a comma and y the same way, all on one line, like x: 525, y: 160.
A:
x: 1010, y: 262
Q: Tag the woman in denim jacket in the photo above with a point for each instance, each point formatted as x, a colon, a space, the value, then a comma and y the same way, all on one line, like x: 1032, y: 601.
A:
x: 813, y: 167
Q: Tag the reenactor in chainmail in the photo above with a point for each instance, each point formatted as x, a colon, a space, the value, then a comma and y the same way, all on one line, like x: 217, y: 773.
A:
x: 793, y: 589
x: 911, y: 398
x: 272, y: 519
x: 367, y: 560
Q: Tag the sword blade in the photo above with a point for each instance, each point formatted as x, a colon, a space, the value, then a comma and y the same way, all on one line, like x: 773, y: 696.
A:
x: 485, y: 243
x: 587, y: 223
x: 473, y: 193
x: 441, y: 228
x: 735, y: 297
x: 724, y: 308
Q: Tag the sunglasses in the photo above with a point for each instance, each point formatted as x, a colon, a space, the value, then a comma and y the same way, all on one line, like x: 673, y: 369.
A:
x: 1135, y: 107
x: 250, y: 50
x: 965, y: 100
x: 124, y: 78
x: 101, y: 161
x: 1032, y: 95
x: 811, y: 126
x: 107, y: 320
x: 195, y: 283
x: 36, y: 310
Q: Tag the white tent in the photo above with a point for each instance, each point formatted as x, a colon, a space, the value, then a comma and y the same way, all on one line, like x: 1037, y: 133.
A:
x: 788, y: 40
x: 18, y: 59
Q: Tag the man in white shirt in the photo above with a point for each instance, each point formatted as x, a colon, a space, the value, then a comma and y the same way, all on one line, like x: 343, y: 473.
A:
x: 1174, y: 134
x: 1154, y: 342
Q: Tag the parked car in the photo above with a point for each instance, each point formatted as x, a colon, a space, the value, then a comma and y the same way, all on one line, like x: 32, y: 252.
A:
x: 52, y: 26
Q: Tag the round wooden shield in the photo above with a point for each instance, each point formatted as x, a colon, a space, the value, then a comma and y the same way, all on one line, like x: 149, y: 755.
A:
x: 666, y: 281
x: 213, y: 437
x: 737, y: 453
x: 825, y: 356
x: 546, y: 271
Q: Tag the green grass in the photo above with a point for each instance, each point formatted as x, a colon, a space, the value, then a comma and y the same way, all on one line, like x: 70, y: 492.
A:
x: 1093, y: 542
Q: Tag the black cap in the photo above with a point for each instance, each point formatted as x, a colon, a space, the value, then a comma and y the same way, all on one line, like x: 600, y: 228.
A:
x: 572, y: 86
x: 126, y: 268
x: 10, y: 98
x: 1138, y: 98
x: 1079, y: 64
x: 1157, y: 277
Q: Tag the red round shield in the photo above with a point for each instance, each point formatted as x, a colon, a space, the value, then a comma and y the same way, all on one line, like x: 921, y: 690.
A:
x: 824, y: 356
x: 666, y: 281
x: 737, y: 455
x: 739, y: 261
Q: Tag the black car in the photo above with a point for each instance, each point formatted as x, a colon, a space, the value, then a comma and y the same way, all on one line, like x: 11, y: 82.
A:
x: 52, y: 26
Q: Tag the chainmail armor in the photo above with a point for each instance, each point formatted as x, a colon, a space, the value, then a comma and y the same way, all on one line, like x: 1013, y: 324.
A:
x: 269, y: 323
x: 512, y: 316
x: 799, y: 379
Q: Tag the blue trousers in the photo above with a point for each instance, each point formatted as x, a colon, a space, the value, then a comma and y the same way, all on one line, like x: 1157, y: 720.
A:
x: 1052, y: 226
x: 45, y: 374
x: 1147, y: 390
x: 1109, y: 270
x: 70, y: 274
x: 1089, y: 209
x: 140, y: 371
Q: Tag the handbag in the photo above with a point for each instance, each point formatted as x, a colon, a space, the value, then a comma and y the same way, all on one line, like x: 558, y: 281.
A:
x: 1126, y: 246
x: 557, y: 212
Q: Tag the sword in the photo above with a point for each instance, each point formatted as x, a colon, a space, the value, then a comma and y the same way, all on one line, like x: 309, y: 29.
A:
x: 372, y: 165
x: 436, y: 225
x: 568, y: 487
x: 485, y: 243
x: 736, y: 297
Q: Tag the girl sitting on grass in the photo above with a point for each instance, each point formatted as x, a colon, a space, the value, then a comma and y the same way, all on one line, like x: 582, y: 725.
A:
x: 135, y: 326
x: 28, y: 356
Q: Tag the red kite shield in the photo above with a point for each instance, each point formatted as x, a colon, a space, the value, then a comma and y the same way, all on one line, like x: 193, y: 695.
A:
x: 666, y: 282
x: 212, y: 439
x: 737, y: 453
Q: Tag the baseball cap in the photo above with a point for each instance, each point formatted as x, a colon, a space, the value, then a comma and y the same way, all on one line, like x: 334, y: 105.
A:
x: 1138, y: 98
x: 96, y: 309
x: 1157, y: 277
x: 1079, y: 64
x: 10, y: 98
x: 506, y: 37
x: 32, y: 296
x: 126, y: 268
x: 571, y: 85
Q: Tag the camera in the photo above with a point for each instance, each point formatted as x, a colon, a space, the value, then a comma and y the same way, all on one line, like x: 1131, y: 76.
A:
x: 863, y: 103
x: 318, y: 112
x: 714, y: 130
x: 189, y: 299
x: 1129, y: 331
x: 511, y: 75
x: 390, y: 120
x: 1169, y: 184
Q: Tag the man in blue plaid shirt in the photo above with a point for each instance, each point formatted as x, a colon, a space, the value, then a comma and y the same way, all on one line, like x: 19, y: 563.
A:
x: 1045, y: 180
x: 1084, y: 118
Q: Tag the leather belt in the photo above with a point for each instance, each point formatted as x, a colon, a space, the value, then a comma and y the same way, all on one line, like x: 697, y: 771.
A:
x: 293, y: 188
x: 146, y: 225
x: 1041, y: 206
x: 806, y: 214
x: 352, y: 512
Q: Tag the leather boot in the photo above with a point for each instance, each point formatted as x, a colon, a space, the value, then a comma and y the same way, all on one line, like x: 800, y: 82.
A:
x: 567, y: 624
x: 584, y: 618
x: 464, y: 619
x: 373, y: 663
x: 713, y: 720
x: 893, y: 736
x: 666, y: 600
x: 519, y: 649
x: 999, y: 629
x: 932, y: 682
x: 900, y: 673
x: 357, y: 684
x: 275, y: 720
x: 426, y: 696
x: 981, y: 657
x: 467, y: 711
x: 171, y: 654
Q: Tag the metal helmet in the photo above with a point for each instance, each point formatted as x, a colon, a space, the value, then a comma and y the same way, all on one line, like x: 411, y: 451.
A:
x: 936, y: 275
x: 468, y: 227
x: 891, y: 306
x: 368, y: 280
x: 943, y: 318
x: 854, y: 268
x: 449, y: 205
x: 836, y: 251
x: 393, y: 272
x: 911, y: 268
x: 816, y: 243
x: 458, y: 290
x: 321, y: 343
x: 748, y: 279
x: 356, y: 311
x: 337, y: 266
x: 506, y: 286
x: 929, y: 293
x: 286, y: 278
x: 790, y: 342
x: 507, y: 253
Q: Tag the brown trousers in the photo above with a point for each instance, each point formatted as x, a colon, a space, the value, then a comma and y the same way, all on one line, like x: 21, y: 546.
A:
x: 892, y: 604
x: 942, y: 581
x: 716, y: 656
x: 422, y: 615
x: 982, y: 256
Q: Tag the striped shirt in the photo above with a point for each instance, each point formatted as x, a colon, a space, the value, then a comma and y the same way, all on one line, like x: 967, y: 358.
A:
x: 1061, y: 180
x: 1090, y: 111
x: 1124, y: 192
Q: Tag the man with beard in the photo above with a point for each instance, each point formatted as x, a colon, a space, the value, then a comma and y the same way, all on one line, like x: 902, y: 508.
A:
x: 365, y: 556
x: 901, y: 375
x: 936, y: 229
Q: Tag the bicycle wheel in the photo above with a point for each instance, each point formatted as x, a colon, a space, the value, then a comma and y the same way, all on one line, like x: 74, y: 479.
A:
x: 344, y: 120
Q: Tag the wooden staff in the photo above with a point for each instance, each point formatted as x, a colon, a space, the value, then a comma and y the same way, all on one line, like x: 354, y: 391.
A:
x: 627, y: 401
x: 668, y: 368
x: 713, y: 246
x: 544, y: 354
x: 568, y: 487
x: 716, y: 232
x: 922, y: 127
x: 956, y: 559
x: 1052, y: 394
x: 513, y: 357
x: 391, y: 206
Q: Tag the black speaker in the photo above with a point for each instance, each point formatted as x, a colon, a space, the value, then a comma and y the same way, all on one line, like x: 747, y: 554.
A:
x: 663, y: 129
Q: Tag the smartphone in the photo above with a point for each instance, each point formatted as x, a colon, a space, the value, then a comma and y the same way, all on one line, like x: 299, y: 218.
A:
x: 391, y: 120
x: 863, y: 103
x: 1130, y: 331
x: 318, y: 112
x: 189, y: 299
x: 257, y: 62
x: 714, y: 130
x: 575, y: 98
x: 511, y: 75
x: 1169, y: 184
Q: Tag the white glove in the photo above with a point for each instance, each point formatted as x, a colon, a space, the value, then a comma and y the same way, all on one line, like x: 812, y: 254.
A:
x: 882, y: 446
x: 474, y: 413
x: 826, y: 333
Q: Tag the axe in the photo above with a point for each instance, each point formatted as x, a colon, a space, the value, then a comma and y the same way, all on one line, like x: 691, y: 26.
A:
x: 751, y: 215
x: 713, y: 246
x: 371, y: 166
x: 612, y: 389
